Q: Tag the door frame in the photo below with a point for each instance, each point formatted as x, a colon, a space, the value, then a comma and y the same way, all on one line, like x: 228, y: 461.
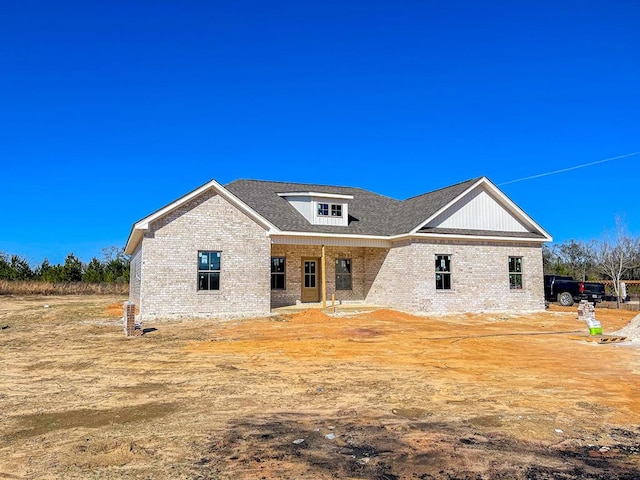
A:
x: 311, y: 294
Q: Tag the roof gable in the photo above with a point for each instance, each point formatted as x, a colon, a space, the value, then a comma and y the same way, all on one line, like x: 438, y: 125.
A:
x: 482, y: 210
x: 142, y: 225
x: 415, y: 210
x: 477, y: 210
x: 475, y: 207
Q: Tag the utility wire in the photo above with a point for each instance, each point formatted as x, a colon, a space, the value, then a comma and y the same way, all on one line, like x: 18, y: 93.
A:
x: 569, y: 169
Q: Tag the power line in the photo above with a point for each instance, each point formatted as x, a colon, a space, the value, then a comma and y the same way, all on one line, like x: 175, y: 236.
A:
x: 569, y: 168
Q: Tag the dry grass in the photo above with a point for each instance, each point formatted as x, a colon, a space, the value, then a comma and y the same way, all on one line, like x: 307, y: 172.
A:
x: 75, y: 288
x: 469, y: 396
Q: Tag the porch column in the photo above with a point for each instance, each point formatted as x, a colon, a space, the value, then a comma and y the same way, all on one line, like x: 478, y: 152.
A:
x: 323, y: 279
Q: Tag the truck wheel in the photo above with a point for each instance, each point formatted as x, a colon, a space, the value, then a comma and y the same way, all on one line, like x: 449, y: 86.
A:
x: 565, y: 299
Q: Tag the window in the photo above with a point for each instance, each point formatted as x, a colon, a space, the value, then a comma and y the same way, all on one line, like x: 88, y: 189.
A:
x: 323, y: 209
x: 309, y: 274
x: 208, y: 270
x: 278, y: 273
x: 443, y: 272
x: 515, y: 273
x: 343, y: 274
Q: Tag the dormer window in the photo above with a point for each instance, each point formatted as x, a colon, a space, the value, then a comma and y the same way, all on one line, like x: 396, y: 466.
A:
x: 325, y: 208
x: 321, y: 208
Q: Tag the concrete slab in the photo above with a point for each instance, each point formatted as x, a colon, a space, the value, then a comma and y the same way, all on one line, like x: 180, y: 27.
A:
x: 339, y: 308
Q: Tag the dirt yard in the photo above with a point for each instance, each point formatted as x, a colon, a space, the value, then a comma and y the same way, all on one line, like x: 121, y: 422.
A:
x: 378, y: 395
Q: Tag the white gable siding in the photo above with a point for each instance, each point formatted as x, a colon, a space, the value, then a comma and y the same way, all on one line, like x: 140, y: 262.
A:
x: 307, y: 206
x: 304, y: 205
x: 478, y: 211
x: 329, y: 220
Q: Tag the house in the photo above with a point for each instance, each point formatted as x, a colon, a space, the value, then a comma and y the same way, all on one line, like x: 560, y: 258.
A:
x: 249, y: 246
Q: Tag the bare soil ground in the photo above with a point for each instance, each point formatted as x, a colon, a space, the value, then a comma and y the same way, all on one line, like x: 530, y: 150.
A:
x: 378, y: 395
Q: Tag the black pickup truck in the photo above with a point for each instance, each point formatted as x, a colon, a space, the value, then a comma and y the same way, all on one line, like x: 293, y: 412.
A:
x: 565, y: 290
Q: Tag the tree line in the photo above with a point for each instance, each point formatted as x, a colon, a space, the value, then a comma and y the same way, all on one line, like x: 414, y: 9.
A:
x: 112, y: 268
x: 614, y: 257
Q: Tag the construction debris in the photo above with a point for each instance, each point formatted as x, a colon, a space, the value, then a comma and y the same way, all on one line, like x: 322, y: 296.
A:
x: 604, y: 339
x: 587, y: 312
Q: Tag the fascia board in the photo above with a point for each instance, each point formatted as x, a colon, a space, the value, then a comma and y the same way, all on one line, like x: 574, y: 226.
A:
x: 392, y: 238
x: 316, y: 194
x: 132, y: 242
x: 478, y: 238
x: 516, y: 210
x: 330, y: 235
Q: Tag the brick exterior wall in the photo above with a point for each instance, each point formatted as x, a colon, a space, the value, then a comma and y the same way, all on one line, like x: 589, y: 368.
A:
x: 164, y: 270
x: 404, y: 277
x: 361, y: 274
x: 169, y: 266
x: 479, y: 278
x: 135, y: 275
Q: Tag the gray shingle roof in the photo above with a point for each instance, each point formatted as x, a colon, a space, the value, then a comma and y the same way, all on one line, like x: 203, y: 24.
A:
x: 416, y: 210
x: 369, y: 212
x: 488, y: 233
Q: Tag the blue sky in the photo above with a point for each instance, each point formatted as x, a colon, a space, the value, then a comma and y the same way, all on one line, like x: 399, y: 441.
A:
x: 110, y: 110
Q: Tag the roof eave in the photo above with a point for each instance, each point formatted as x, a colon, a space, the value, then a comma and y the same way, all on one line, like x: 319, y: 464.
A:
x: 410, y: 235
x: 316, y: 194
x: 358, y: 236
x: 459, y: 236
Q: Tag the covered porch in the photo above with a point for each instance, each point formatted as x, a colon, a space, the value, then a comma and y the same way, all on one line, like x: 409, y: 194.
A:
x: 324, y: 275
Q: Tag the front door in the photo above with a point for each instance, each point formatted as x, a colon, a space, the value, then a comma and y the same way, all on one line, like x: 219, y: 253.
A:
x: 310, y: 280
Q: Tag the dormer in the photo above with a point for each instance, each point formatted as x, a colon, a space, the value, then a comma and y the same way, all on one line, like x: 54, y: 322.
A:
x: 320, y: 208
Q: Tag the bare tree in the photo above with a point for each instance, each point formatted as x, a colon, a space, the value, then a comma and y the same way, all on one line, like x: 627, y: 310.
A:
x: 616, y: 254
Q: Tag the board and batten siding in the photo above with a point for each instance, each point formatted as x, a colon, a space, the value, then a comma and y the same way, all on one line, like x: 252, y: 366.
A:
x: 478, y: 211
x: 307, y: 206
x: 342, y: 221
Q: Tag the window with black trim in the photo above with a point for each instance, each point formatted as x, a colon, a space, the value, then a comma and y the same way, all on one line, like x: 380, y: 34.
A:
x: 209, y: 270
x: 343, y: 274
x: 323, y: 209
x: 278, y: 272
x: 515, y: 273
x: 443, y: 272
x: 326, y: 209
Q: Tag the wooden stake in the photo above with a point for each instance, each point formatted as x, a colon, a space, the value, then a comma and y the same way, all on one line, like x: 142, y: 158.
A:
x: 323, y: 279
